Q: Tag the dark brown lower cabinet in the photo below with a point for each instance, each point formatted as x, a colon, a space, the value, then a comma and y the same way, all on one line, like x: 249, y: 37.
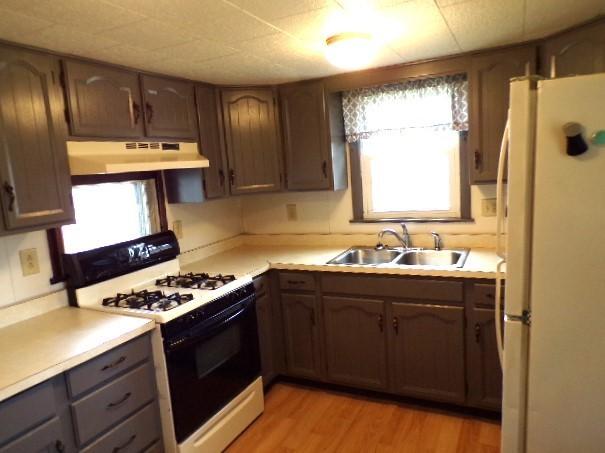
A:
x: 428, y: 351
x: 483, y: 371
x: 355, y: 341
x: 264, y: 316
x: 301, y: 330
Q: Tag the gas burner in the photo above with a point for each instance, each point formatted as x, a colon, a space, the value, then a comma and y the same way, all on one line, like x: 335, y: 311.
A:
x: 196, y: 281
x: 147, y: 300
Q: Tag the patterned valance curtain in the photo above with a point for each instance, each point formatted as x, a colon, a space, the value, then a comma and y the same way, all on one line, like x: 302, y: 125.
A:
x: 438, y: 102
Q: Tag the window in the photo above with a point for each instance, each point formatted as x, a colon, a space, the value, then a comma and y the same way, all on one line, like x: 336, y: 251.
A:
x: 409, y: 139
x: 109, y: 209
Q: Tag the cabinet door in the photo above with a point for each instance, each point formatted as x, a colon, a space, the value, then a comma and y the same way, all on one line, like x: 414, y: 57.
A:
x: 306, y: 137
x: 103, y: 101
x: 36, y: 184
x: 428, y: 351
x: 301, y: 335
x: 252, y: 140
x: 489, y: 84
x: 355, y: 341
x: 264, y: 317
x: 580, y: 51
x: 169, y: 108
x: 484, y: 372
x: 211, y: 143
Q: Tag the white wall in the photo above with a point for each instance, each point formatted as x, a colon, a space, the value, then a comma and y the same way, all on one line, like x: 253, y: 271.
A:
x: 330, y: 212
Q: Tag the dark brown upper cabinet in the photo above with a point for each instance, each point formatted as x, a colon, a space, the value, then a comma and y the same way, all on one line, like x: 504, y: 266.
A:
x: 34, y: 171
x: 489, y: 91
x: 103, y: 101
x: 169, y: 107
x: 428, y: 351
x: 313, y: 137
x: 252, y: 139
x: 578, y: 51
x: 483, y: 368
x: 358, y: 358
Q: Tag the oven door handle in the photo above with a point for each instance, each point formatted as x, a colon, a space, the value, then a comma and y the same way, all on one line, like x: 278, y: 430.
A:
x: 209, y: 331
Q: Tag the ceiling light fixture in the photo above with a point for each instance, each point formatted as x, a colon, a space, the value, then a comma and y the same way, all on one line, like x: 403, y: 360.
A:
x: 350, y: 50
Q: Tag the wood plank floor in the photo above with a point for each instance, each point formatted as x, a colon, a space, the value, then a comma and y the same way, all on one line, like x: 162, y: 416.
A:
x: 301, y: 419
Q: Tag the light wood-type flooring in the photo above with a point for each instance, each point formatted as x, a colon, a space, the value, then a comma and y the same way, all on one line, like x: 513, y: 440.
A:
x: 302, y: 419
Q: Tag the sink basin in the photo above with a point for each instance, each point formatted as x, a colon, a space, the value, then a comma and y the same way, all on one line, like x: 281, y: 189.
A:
x: 366, y: 255
x: 441, y: 258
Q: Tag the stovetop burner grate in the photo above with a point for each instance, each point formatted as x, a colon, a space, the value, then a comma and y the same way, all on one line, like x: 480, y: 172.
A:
x: 147, y: 300
x: 195, y: 281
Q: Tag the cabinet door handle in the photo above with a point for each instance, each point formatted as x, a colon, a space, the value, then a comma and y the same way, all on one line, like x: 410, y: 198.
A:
x: 125, y: 444
x: 120, y: 401
x: 295, y: 282
x: 59, y: 446
x: 477, y: 332
x: 396, y: 326
x: 324, y: 169
x: 136, y: 112
x: 232, y: 177
x: 477, y: 158
x: 313, y: 318
x: 490, y: 296
x: 114, y: 364
x: 221, y: 177
x: 10, y: 191
x: 380, y: 323
x: 148, y: 112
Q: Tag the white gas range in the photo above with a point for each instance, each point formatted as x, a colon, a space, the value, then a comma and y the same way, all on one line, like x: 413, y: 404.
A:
x: 205, y: 344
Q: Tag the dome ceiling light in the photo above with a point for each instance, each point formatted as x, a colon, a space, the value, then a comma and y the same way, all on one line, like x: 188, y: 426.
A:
x: 350, y: 50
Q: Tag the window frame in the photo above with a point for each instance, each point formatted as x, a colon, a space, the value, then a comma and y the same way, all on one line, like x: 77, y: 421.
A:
x: 55, y: 235
x: 357, y: 195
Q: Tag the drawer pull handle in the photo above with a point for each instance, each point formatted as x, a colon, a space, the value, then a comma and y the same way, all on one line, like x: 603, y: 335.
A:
x: 114, y: 364
x: 295, y: 282
x: 490, y: 296
x: 59, y: 446
x: 125, y: 444
x: 120, y: 401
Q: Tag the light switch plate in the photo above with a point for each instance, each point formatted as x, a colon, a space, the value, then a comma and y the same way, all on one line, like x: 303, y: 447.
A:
x: 291, y: 212
x: 488, y: 207
x: 29, y: 262
x: 177, y: 228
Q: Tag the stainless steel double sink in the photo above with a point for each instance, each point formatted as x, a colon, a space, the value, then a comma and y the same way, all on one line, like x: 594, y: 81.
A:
x: 371, y: 256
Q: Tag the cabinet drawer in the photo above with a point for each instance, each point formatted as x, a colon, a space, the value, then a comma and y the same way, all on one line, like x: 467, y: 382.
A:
x: 484, y: 294
x: 26, y: 410
x: 99, y: 369
x: 110, y: 404
x: 403, y: 288
x: 261, y: 285
x: 133, y: 435
x: 45, y: 438
x: 296, y: 281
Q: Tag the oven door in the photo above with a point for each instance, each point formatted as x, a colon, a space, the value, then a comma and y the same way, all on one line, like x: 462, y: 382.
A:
x: 211, y: 368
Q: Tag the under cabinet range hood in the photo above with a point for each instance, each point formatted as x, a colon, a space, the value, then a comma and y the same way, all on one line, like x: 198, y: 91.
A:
x: 91, y: 158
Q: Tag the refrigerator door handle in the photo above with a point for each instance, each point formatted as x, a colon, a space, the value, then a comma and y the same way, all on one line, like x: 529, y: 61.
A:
x: 498, y: 312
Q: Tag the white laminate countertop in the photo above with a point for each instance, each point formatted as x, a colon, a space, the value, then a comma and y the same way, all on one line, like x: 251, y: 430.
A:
x: 42, y: 347
x: 255, y: 259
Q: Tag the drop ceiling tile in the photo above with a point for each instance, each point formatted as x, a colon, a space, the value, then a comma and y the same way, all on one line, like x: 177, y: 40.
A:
x: 238, y: 27
x: 124, y: 55
x: 560, y: 14
x: 442, y: 3
x: 196, y: 50
x: 179, y: 11
x: 84, y: 16
x: 14, y: 26
x: 282, y: 8
x: 485, y: 23
x: 147, y: 34
x: 65, y: 39
x: 416, y: 30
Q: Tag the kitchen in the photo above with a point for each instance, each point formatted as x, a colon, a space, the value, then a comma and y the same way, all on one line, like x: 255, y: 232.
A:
x: 268, y: 279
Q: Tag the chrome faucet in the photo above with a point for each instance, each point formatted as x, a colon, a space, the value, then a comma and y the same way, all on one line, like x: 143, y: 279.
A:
x: 404, y: 238
x: 436, y: 240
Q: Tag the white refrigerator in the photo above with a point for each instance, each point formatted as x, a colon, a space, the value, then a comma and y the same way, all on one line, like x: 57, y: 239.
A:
x: 554, y: 306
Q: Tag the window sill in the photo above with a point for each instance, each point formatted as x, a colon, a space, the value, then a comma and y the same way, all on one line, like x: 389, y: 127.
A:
x: 415, y: 220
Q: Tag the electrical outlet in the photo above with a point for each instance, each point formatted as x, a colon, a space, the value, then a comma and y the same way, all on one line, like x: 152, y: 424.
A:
x: 488, y: 207
x: 29, y: 262
x: 177, y: 228
x: 291, y: 212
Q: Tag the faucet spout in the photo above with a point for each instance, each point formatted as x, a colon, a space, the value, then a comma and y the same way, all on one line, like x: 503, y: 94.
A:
x: 404, y: 238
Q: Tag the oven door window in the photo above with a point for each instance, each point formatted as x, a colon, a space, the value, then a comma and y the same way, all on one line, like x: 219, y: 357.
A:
x: 207, y: 372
